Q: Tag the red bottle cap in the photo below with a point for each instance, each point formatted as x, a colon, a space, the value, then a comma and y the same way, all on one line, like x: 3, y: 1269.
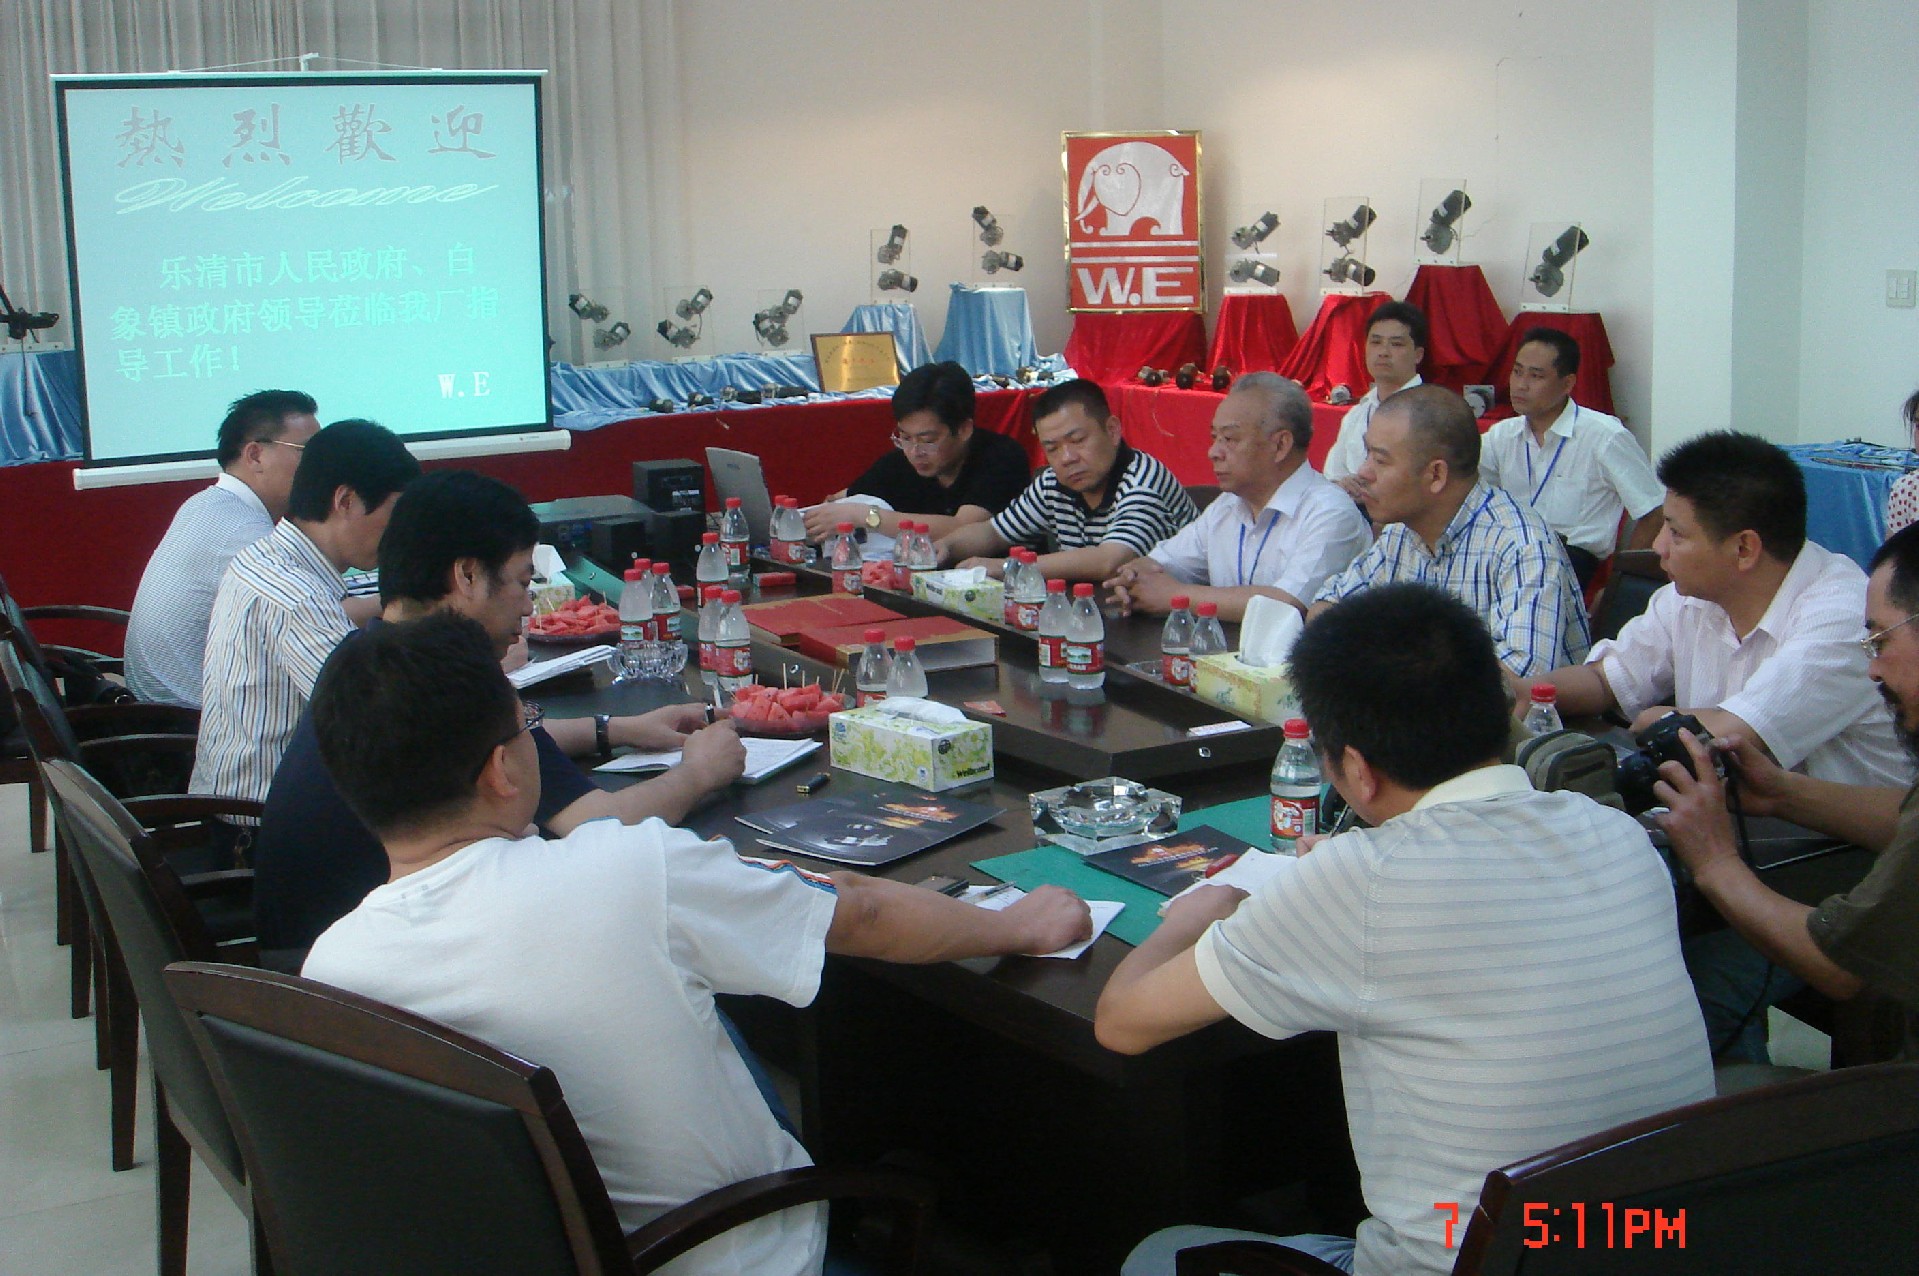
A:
x: 1545, y: 693
x: 1296, y: 729
x: 709, y: 538
x: 903, y: 643
x: 875, y: 635
x: 662, y: 569
x: 635, y: 572
x: 1205, y: 609
x: 732, y: 502
x: 1182, y: 601
x: 1055, y: 586
x: 842, y: 528
x: 781, y: 500
x: 1083, y: 590
x: 730, y: 597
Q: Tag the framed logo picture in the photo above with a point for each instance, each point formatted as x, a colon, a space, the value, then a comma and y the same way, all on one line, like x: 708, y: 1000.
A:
x: 1133, y: 228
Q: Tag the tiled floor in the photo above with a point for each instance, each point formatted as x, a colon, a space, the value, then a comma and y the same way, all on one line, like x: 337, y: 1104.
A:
x: 62, y: 1209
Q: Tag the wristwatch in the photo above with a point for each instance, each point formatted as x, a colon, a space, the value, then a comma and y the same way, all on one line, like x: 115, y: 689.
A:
x: 873, y: 518
x: 602, y: 740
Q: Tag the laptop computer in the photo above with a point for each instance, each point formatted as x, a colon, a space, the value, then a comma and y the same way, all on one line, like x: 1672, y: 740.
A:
x: 739, y: 474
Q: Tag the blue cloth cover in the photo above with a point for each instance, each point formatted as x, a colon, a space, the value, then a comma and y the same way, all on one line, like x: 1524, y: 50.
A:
x: 900, y: 319
x: 988, y: 329
x: 1846, y: 489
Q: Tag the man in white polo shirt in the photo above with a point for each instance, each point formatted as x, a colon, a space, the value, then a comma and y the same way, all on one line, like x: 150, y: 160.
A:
x: 1276, y: 529
x: 1452, y: 945
x: 1579, y: 468
x: 258, y: 450
x: 1758, y: 633
x: 1395, y: 344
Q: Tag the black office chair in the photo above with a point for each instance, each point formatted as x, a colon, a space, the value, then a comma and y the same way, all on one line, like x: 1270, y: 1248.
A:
x: 153, y: 923
x: 1636, y: 577
x: 378, y: 1141
x: 1817, y: 1175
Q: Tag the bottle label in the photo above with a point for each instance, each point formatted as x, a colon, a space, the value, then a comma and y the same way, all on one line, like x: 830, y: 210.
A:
x: 866, y: 697
x: 707, y: 656
x: 1176, y: 668
x: 1010, y: 612
x: 669, y: 626
x: 733, y: 660
x: 1084, y: 657
x: 636, y: 631
x: 1051, y: 651
x: 847, y: 581
x: 790, y: 552
x: 735, y: 554
x: 1025, y: 616
x: 1295, y: 816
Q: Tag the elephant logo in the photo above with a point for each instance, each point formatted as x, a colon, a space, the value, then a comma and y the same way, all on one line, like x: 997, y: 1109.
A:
x: 1132, y: 182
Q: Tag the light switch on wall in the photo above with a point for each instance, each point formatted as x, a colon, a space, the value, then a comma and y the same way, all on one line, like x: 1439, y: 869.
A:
x: 1900, y: 286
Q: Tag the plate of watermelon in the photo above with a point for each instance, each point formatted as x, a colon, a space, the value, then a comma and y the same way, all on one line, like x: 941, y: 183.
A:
x: 580, y: 622
x: 784, y: 711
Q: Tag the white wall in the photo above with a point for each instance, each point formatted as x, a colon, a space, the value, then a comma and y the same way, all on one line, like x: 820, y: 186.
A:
x: 1858, y: 359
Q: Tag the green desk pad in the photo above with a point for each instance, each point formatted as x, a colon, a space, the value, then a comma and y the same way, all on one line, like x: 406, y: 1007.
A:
x: 1247, y: 820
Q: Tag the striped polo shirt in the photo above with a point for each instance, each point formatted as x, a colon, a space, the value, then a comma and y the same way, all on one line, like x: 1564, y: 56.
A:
x: 275, y: 621
x: 1502, y: 967
x: 1144, y: 504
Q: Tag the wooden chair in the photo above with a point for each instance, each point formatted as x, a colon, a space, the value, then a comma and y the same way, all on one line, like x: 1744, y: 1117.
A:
x: 1816, y: 1175
x: 379, y: 1141
x: 154, y: 923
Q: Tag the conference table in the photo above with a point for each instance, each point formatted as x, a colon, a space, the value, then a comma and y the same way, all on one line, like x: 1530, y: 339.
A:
x: 987, y: 1071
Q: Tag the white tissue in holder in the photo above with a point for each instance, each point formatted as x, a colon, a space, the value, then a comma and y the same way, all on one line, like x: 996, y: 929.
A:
x: 551, y: 588
x: 1254, y: 680
x: 912, y: 741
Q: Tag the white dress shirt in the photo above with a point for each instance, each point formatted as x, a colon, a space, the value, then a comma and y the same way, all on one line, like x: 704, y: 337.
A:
x: 1798, y: 679
x: 1587, y: 471
x: 1349, y: 449
x: 1307, y: 530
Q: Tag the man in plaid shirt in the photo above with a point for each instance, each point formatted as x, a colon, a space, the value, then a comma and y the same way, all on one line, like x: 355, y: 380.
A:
x: 1441, y: 525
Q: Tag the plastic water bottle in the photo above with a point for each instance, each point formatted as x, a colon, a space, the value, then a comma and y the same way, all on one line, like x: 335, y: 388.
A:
x: 1543, y: 717
x: 786, y: 533
x: 846, y: 561
x: 1208, y: 638
x: 1295, y: 787
x: 903, y: 557
x: 636, y: 617
x: 666, y: 604
x: 925, y: 557
x: 1085, y: 644
x: 733, y: 536
x: 710, y: 568
x: 709, y: 631
x: 1030, y: 595
x: 907, y: 678
x: 1014, y: 579
x: 1052, y: 632
x: 1176, y: 644
x: 732, y: 644
x: 874, y: 669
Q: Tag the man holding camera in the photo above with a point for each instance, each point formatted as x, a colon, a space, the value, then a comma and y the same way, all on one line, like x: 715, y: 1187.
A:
x: 1867, y: 937
x: 1758, y: 633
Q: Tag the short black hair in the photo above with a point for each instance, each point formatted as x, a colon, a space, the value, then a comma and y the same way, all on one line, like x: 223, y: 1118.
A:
x: 1739, y: 482
x: 1902, y: 551
x: 1442, y: 424
x: 944, y: 389
x: 260, y: 415
x: 362, y: 455
x: 444, y: 517
x: 1564, y: 347
x: 1910, y: 413
x: 1079, y: 390
x: 1407, y: 675
x: 1401, y: 312
x: 406, y: 716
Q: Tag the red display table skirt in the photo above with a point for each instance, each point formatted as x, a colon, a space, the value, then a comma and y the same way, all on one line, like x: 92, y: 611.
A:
x: 1332, y: 351
x: 1594, y: 387
x: 1111, y: 348
x: 1177, y: 427
x: 1253, y: 332
x: 1465, y: 325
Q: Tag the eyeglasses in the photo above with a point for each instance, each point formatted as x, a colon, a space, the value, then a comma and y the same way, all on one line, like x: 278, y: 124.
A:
x: 1874, y: 645
x: 922, y: 446
x: 531, y: 715
x: 297, y: 447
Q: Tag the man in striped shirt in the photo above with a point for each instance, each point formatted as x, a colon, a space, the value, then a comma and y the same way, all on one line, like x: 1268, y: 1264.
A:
x: 1099, y: 503
x: 1441, y: 524
x: 278, y: 616
x: 258, y: 450
x: 1502, y: 966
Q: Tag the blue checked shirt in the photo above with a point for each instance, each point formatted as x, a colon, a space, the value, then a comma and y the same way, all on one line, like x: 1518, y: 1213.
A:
x: 1499, y: 558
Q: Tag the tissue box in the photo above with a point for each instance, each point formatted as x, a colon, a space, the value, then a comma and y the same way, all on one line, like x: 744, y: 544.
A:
x: 1256, y: 691
x: 890, y: 745
x: 552, y: 595
x: 957, y: 591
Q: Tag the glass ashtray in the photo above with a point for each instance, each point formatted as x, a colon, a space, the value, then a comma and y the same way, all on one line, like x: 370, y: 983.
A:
x: 1103, y: 812
x: 652, y: 662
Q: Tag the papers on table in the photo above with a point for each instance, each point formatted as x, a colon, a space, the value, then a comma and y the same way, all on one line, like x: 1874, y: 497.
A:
x: 763, y: 758
x: 1249, y: 872
x: 998, y: 897
x: 527, y: 675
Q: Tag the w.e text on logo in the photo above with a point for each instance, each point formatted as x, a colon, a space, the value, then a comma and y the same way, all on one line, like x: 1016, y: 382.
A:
x: 1132, y: 205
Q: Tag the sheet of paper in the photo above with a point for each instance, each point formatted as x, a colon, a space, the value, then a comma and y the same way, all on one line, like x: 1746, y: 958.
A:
x: 996, y: 898
x: 1249, y: 872
x: 528, y: 675
x: 763, y: 757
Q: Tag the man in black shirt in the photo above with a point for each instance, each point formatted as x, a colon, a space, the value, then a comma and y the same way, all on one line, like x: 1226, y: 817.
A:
x: 943, y: 471
x: 459, y: 541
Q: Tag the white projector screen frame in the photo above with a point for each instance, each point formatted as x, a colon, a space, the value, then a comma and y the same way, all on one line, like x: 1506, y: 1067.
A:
x: 376, y: 240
